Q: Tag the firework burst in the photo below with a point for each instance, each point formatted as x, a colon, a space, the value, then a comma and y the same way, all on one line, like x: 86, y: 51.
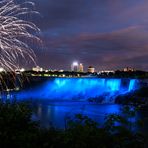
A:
x: 15, y: 34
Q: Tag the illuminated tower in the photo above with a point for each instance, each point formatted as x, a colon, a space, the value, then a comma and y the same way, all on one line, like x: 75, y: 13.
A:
x: 80, y: 67
x: 74, y: 66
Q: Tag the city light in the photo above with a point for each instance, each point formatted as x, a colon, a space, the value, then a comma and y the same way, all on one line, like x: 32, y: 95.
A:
x: 75, y: 63
x: 22, y: 70
x: 1, y: 69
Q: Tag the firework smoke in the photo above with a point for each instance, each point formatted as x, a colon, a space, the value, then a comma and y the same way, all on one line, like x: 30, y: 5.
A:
x: 15, y: 34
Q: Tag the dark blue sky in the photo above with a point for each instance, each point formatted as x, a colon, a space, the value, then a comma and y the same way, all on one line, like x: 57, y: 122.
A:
x: 108, y: 34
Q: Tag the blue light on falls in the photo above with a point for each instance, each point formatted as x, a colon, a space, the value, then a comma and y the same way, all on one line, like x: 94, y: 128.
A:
x: 78, y: 89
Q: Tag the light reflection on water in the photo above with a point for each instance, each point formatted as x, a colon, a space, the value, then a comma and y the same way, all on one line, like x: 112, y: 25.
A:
x: 66, y: 90
x: 56, y: 113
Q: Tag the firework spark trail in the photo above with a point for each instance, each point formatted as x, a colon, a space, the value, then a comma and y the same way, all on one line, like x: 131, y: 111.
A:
x: 13, y: 33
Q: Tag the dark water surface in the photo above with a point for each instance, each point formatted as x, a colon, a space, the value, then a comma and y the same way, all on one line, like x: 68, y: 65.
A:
x: 56, y: 113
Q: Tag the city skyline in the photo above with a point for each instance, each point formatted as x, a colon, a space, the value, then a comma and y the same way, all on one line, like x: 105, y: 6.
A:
x: 78, y: 67
x: 105, y: 34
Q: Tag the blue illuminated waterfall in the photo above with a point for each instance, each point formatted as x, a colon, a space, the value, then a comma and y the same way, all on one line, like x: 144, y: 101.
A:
x: 79, y: 89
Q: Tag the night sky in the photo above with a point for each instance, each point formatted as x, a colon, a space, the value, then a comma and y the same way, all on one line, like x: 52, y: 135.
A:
x: 107, y: 34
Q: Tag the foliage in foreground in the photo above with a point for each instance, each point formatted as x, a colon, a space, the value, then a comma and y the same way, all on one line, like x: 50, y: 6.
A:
x: 17, y: 130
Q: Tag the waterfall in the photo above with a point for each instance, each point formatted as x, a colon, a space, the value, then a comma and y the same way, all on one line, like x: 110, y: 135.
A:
x: 132, y: 85
x: 79, y: 89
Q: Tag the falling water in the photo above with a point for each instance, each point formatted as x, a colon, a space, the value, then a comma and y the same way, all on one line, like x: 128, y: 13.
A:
x: 79, y: 89
x: 131, y: 85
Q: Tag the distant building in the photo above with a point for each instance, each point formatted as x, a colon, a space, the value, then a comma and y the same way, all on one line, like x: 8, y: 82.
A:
x: 106, y: 71
x: 81, y: 67
x: 127, y: 69
x: 19, y: 70
x: 37, y: 68
x: 61, y: 70
x: 75, y: 67
x: 91, y: 69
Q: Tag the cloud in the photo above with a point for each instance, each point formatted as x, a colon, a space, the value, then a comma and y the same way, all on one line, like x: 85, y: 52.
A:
x: 104, y: 33
x: 125, y: 47
x: 56, y: 13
